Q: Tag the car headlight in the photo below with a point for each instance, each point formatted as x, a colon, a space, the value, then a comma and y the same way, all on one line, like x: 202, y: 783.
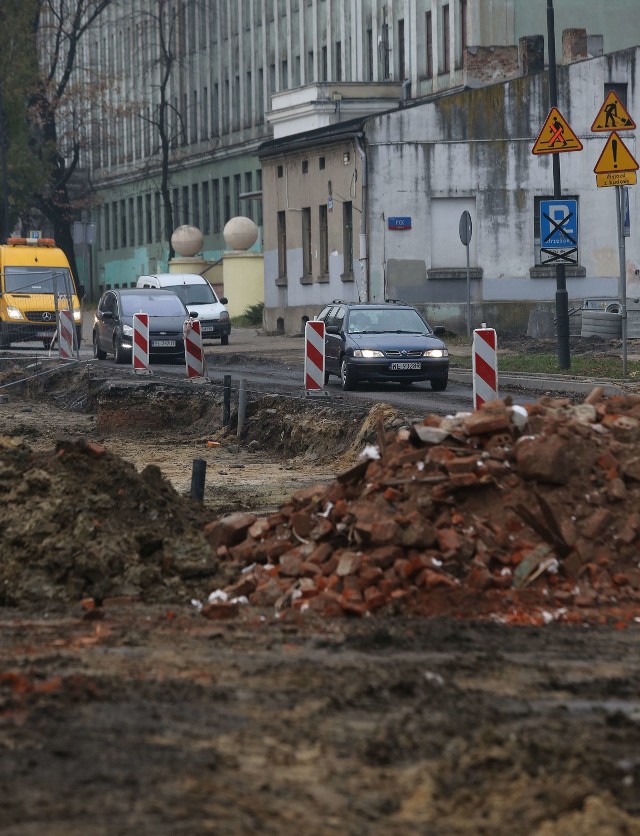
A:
x: 436, y: 352
x: 14, y: 313
x: 127, y: 330
x: 77, y: 316
x: 367, y: 352
x: 224, y: 315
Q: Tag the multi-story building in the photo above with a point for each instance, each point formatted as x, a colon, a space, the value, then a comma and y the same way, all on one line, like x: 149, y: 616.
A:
x: 219, y: 77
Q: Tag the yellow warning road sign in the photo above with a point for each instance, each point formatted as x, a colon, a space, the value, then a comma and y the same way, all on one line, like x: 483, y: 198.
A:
x: 615, y: 157
x: 619, y: 178
x: 613, y: 116
x: 556, y: 135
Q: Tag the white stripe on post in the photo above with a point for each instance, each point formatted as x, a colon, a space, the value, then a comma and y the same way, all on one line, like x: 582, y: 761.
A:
x: 140, y: 352
x: 193, y: 352
x: 314, y: 356
x: 485, y: 366
x: 65, y: 334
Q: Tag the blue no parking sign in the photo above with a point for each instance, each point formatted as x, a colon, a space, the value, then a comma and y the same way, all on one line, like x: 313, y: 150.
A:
x: 559, y: 231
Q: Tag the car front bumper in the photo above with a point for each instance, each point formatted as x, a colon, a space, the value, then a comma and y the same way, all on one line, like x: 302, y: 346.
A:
x: 382, y: 368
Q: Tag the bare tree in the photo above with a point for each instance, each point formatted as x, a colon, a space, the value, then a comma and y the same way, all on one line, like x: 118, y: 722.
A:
x: 58, y: 27
x: 167, y: 24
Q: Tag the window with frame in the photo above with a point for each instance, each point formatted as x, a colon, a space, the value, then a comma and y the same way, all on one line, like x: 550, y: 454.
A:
x: 446, y: 66
x: 226, y: 198
x: 106, y: 235
x: 323, y: 239
x: 140, y: 219
x: 206, y: 216
x: 148, y: 217
x: 282, y: 244
x: 186, y: 211
x: 462, y: 12
x: 429, y: 44
x: 306, y: 243
x: 347, y: 236
x: 195, y: 203
x: 123, y: 223
x: 215, y: 206
x: 158, y: 213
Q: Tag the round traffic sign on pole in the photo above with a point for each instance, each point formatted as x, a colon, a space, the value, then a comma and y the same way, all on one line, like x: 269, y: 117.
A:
x: 466, y: 228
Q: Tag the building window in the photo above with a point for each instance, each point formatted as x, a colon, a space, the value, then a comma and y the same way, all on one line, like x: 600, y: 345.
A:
x: 248, y: 187
x: 123, y: 223
x: 347, y: 235
x: 107, y: 231
x: 282, y: 245
x: 215, y: 205
x: 445, y: 39
x: 176, y: 205
x: 401, y: 56
x: 338, y: 61
x: 280, y: 171
x: 429, y: 45
x: 323, y: 238
x: 305, y: 166
x: 131, y: 225
x: 114, y: 224
x: 370, y: 54
x: 321, y: 163
x: 325, y: 64
x: 185, y: 205
x: 306, y: 242
x: 259, y: 189
x: 206, y: 217
x: 195, y: 204
x: 148, y: 217
x: 226, y: 198
x: 140, y: 214
x: 309, y: 77
x: 237, y: 189
x: 159, y: 211
x: 463, y: 32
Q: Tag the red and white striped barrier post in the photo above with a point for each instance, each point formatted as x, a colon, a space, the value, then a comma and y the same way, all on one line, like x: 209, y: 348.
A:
x: 193, y: 351
x: 314, y: 357
x: 140, y: 350
x: 65, y: 334
x: 485, y: 366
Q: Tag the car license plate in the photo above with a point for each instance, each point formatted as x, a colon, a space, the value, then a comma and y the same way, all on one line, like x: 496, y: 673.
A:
x: 163, y: 343
x: 204, y: 328
x: 401, y: 367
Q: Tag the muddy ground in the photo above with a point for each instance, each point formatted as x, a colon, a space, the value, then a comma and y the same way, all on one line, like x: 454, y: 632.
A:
x: 123, y: 710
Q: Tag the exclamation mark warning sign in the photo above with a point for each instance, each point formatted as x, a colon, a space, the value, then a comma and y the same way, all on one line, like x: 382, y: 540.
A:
x: 615, y: 157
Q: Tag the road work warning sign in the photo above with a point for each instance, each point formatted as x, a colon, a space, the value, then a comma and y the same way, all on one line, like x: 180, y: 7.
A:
x: 613, y: 116
x: 556, y: 136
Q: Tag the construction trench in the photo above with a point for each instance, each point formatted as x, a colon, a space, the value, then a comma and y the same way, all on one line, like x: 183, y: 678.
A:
x: 372, y: 623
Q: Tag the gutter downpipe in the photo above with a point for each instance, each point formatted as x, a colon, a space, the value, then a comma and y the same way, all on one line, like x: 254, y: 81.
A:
x: 364, y: 244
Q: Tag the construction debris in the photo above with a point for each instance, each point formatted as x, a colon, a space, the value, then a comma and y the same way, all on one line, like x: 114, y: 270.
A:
x: 525, y: 516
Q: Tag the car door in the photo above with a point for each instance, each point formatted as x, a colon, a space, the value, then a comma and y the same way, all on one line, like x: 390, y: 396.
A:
x: 107, y: 314
x: 328, y: 315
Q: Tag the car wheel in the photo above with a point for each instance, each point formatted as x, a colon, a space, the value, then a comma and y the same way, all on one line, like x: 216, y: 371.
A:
x: 98, y: 353
x: 119, y: 354
x: 439, y: 384
x: 224, y: 339
x: 346, y: 376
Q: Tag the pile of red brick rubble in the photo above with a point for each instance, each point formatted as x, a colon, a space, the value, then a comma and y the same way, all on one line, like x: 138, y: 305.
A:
x: 526, y: 515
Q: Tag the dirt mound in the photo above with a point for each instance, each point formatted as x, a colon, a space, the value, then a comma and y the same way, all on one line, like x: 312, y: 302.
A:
x: 79, y: 521
x: 523, y: 515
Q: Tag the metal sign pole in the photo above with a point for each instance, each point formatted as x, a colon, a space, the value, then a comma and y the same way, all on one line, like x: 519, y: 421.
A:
x: 465, y: 229
x: 620, y: 213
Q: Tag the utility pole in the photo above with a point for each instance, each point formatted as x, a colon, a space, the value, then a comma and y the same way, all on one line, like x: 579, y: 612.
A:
x: 4, y: 181
x: 562, y: 297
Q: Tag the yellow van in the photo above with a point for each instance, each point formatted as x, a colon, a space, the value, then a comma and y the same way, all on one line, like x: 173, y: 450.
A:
x: 35, y: 283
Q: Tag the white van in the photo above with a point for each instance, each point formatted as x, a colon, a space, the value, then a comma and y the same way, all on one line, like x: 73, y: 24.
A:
x: 198, y: 296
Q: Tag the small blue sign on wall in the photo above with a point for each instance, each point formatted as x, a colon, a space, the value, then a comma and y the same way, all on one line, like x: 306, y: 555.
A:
x: 399, y: 223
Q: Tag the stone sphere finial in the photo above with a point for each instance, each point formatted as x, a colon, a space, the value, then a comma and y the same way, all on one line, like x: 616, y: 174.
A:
x: 187, y: 240
x: 240, y: 233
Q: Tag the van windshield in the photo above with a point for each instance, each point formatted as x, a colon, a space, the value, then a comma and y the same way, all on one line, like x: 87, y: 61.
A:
x: 194, y: 294
x: 38, y: 280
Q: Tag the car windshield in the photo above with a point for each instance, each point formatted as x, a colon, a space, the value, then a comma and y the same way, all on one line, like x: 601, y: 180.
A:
x: 152, y: 304
x: 194, y: 294
x: 38, y: 280
x: 385, y: 320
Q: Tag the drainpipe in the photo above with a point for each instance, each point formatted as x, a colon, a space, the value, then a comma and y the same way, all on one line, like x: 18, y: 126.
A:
x: 364, y: 248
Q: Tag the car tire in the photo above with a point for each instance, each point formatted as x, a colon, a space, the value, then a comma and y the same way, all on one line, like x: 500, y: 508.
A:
x: 119, y: 354
x: 347, y: 377
x: 439, y: 384
x: 224, y: 339
x: 98, y: 353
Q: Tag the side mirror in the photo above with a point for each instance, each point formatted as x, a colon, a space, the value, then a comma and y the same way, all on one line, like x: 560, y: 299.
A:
x: 224, y: 300
x: 439, y: 330
x: 332, y: 329
x: 193, y: 314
